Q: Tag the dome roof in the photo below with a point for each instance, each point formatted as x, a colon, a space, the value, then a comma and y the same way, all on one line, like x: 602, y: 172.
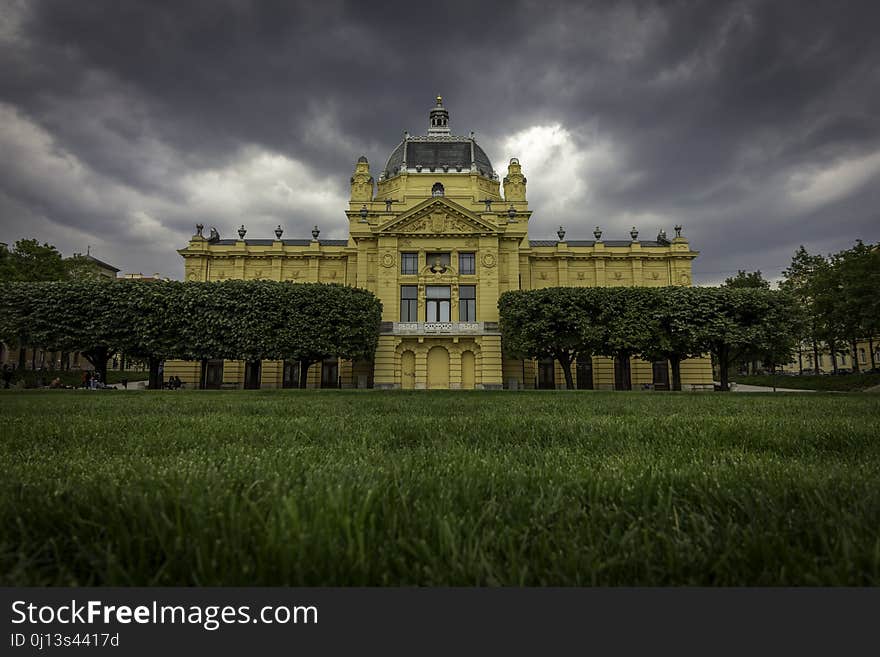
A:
x: 456, y: 153
x: 439, y: 150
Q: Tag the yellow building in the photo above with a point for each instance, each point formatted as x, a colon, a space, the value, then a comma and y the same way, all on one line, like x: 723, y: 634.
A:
x: 438, y: 237
x: 802, y: 360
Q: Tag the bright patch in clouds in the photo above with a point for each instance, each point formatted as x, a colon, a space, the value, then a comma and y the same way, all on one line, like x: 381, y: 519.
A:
x: 814, y: 188
x: 261, y: 190
x: 566, y: 172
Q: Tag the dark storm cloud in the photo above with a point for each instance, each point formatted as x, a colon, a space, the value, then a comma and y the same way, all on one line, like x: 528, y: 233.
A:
x: 752, y: 123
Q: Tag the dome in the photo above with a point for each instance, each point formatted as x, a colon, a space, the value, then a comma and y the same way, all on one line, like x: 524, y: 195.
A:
x: 439, y: 150
x: 446, y: 154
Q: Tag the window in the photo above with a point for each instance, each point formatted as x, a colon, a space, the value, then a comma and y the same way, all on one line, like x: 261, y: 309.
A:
x: 437, y: 190
x: 409, y: 263
x: 467, y: 303
x: 437, y: 299
x: 862, y: 356
x: 409, y: 303
x: 467, y: 263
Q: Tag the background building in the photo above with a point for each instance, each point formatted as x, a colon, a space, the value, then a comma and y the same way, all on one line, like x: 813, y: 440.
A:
x: 438, y: 237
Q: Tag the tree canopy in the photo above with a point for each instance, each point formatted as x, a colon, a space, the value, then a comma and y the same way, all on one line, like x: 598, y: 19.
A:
x: 156, y: 320
x: 838, y: 296
x: 672, y: 323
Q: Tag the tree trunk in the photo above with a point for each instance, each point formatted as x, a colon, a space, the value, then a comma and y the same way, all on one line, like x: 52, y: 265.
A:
x: 122, y: 362
x: 304, y: 366
x: 815, y: 357
x: 723, y: 373
x: 833, y: 360
x: 871, y: 348
x: 203, y: 379
x: 800, y: 360
x: 155, y: 380
x: 22, y: 357
x: 675, y: 362
x: 565, y: 362
x: 855, y: 357
x: 98, y: 357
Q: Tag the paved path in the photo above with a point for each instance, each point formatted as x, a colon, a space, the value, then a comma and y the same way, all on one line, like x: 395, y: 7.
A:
x: 742, y: 387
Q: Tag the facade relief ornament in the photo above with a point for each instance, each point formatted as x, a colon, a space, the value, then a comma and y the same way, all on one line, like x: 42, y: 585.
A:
x: 387, y: 260
x: 488, y: 260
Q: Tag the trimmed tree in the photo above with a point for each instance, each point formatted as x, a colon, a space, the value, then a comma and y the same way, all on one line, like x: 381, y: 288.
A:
x: 744, y: 321
x: 674, y: 331
x: 624, y: 324
x: 554, y: 322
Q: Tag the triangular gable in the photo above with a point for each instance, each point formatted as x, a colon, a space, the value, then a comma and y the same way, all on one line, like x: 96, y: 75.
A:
x: 438, y: 216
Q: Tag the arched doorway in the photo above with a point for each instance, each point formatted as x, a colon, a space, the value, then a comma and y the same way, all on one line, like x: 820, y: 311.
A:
x: 468, y: 370
x: 438, y: 369
x: 408, y: 370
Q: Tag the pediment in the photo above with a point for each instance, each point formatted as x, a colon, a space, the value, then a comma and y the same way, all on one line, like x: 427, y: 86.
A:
x: 439, y: 216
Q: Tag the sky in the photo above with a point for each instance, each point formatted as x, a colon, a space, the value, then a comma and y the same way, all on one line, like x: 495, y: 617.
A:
x: 754, y: 125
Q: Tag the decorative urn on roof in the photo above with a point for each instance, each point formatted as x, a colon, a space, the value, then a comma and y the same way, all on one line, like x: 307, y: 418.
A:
x: 242, y: 231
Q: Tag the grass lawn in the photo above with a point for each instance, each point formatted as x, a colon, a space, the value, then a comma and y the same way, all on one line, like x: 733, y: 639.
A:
x: 372, y: 488
x: 828, y: 382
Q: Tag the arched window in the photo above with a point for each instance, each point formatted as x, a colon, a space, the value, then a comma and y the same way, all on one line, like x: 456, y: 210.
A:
x: 437, y: 190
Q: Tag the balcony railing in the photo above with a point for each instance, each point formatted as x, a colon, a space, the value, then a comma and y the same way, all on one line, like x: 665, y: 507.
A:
x: 439, y: 328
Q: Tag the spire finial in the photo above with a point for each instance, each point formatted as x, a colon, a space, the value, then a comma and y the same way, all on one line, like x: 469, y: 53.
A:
x: 438, y: 119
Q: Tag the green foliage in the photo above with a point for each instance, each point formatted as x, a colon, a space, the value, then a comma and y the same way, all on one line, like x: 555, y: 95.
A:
x: 838, y: 296
x: 743, y: 279
x: 549, y: 323
x: 28, y: 260
x: 71, y: 378
x: 843, y: 383
x: 744, y: 322
x: 155, y: 320
x: 309, y: 488
x: 656, y: 323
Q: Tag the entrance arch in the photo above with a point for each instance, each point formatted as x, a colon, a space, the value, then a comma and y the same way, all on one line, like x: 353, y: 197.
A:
x: 468, y: 370
x: 408, y: 370
x: 438, y: 368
